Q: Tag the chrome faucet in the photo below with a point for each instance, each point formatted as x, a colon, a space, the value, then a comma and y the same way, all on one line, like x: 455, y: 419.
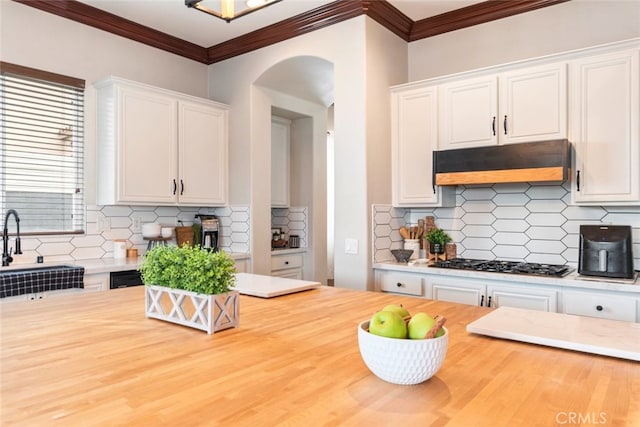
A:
x: 6, y: 252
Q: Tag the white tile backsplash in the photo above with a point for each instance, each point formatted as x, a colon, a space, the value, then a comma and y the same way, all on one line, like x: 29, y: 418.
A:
x: 521, y: 222
x: 107, y: 223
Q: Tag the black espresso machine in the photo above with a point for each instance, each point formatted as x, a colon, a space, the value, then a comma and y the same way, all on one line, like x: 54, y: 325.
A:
x: 209, y: 232
x: 606, y: 251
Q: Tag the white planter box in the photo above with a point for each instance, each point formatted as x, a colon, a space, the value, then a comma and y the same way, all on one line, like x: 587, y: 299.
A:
x: 210, y: 313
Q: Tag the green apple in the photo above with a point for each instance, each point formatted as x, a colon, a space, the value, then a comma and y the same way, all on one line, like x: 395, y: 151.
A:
x: 420, y: 324
x: 397, y: 309
x: 388, y: 324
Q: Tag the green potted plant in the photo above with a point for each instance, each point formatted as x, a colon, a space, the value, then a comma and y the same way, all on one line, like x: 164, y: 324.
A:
x: 437, y: 239
x: 190, y: 286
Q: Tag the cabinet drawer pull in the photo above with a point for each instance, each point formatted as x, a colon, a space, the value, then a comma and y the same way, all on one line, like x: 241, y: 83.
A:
x: 286, y: 263
x: 599, y: 308
x: 399, y: 285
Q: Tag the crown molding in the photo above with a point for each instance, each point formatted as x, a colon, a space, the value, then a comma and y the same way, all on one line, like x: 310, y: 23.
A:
x: 97, y: 18
x: 475, y: 14
x: 321, y: 17
x: 380, y: 11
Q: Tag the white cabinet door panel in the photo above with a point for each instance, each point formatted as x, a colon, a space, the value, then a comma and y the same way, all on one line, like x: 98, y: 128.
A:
x: 148, y: 152
x: 202, y: 154
x: 605, y: 130
x: 526, y: 297
x: 468, y: 113
x: 533, y: 104
x: 414, y: 137
x: 280, y: 145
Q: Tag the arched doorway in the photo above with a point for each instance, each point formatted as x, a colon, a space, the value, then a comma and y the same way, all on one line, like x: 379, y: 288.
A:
x: 300, y: 89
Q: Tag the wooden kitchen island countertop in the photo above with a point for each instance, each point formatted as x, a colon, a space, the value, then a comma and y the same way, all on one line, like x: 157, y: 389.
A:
x: 93, y: 359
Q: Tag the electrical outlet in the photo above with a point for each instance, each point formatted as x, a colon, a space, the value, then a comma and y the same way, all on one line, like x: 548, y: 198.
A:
x: 137, y: 224
x: 104, y: 224
x: 351, y: 246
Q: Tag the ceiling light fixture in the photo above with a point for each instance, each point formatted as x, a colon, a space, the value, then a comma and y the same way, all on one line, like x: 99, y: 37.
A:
x: 227, y: 7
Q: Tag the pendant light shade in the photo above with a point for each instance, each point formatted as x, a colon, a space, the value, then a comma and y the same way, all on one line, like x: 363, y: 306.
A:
x: 227, y: 8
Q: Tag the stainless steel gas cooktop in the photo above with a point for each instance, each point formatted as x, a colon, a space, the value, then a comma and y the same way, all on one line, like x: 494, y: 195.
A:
x: 509, y: 267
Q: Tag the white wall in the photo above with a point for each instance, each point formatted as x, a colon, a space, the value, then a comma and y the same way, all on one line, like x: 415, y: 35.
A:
x: 567, y: 26
x: 38, y: 39
x: 361, y: 130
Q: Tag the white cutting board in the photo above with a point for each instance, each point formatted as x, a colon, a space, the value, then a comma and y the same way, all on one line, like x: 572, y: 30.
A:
x: 270, y: 286
x: 588, y: 334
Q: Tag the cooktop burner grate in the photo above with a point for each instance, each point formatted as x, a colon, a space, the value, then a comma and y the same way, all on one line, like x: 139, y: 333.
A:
x: 510, y: 267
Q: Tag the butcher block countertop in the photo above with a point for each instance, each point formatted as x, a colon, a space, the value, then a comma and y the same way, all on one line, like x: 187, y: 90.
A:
x: 94, y: 359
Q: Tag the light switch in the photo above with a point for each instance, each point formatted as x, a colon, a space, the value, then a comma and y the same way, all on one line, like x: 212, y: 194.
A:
x: 351, y: 246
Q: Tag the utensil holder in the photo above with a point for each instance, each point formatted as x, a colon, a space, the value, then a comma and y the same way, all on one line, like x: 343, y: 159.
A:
x: 413, y: 244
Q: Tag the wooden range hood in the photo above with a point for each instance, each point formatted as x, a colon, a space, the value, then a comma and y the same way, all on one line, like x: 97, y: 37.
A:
x: 527, y: 162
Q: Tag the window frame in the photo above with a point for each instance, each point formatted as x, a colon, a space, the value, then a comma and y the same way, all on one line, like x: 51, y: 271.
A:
x: 7, y: 68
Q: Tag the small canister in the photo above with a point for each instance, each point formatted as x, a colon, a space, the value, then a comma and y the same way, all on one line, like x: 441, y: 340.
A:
x: 413, y: 244
x: 294, y: 241
x: 119, y: 249
x: 132, y: 253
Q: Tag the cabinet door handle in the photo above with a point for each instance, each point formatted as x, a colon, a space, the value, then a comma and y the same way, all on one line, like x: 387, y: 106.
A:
x: 181, y: 187
x: 489, y: 302
x: 577, y: 180
x: 286, y: 263
x: 482, y: 301
x: 504, y: 124
x: 493, y: 126
x: 599, y: 308
x: 175, y: 186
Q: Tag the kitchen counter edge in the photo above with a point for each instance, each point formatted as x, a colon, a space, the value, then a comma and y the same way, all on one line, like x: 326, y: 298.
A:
x: 103, y: 265
x: 570, y: 281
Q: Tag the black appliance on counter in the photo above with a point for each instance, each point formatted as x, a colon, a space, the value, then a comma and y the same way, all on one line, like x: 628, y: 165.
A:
x: 606, y: 251
x: 509, y: 267
x: 209, y: 232
x: 125, y: 279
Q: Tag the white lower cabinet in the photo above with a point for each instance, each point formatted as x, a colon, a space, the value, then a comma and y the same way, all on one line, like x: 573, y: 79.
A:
x: 514, y: 294
x: 460, y: 291
x: 527, y: 297
x: 601, y: 304
x: 483, y: 292
x: 400, y: 283
x: 287, y: 265
x: 96, y: 282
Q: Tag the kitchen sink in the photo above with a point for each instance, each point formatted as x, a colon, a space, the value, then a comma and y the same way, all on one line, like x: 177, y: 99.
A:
x: 31, y: 280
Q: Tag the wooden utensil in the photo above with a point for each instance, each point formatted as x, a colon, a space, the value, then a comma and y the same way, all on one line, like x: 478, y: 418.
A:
x: 404, y: 232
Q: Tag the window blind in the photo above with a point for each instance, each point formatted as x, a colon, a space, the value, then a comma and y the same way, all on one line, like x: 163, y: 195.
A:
x: 42, y: 152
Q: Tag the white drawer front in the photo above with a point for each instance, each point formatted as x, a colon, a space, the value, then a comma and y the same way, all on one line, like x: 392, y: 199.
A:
x: 280, y: 262
x: 600, y: 305
x: 401, y: 283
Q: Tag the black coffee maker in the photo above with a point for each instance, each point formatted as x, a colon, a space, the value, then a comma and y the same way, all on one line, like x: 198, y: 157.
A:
x: 209, y: 232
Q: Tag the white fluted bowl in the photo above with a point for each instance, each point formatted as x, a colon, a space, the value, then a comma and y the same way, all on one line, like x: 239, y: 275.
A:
x: 402, y: 361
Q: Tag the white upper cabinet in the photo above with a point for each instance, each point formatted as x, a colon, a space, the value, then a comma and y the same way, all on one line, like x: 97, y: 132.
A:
x: 280, y: 143
x: 469, y: 113
x: 157, y: 147
x: 605, y: 117
x: 413, y: 140
x: 524, y: 105
x: 202, y: 153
